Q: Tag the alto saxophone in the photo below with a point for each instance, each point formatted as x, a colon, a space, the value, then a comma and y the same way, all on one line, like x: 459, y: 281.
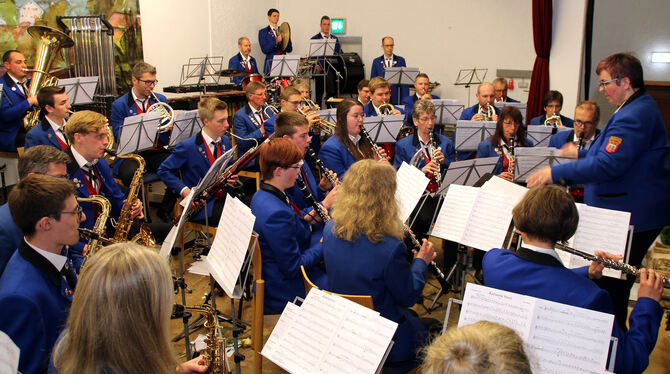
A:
x: 214, y: 354
x: 124, y: 222
x: 95, y: 243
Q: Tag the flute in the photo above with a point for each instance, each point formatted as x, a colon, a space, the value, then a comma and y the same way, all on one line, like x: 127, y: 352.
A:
x: 308, y: 195
x: 622, y: 266
x: 432, y: 266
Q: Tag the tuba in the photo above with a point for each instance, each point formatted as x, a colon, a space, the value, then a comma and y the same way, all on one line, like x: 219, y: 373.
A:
x: 50, y: 42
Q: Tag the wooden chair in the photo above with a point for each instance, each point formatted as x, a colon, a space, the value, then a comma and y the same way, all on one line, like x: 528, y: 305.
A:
x: 258, y: 310
x: 19, y: 151
x: 256, y: 175
x: 364, y: 300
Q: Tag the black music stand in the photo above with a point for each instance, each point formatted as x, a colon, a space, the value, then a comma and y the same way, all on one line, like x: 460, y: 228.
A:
x: 528, y: 160
x: 384, y: 129
x: 323, y: 48
x: 447, y: 110
x: 541, y: 135
x: 80, y: 90
x: 468, y: 77
x: 284, y: 66
x: 469, y: 134
x: 186, y: 124
x: 138, y: 133
x: 204, y: 70
x: 521, y: 106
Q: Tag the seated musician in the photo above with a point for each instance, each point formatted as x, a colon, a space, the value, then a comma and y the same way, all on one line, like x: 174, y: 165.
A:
x: 55, y: 108
x: 295, y: 127
x: 121, y: 326
x: 587, y: 116
x: 500, y: 90
x: 509, y: 125
x: 37, y: 285
x: 365, y: 255
x: 379, y: 95
x: 285, y: 238
x: 132, y: 103
x: 41, y: 159
x: 243, y: 60
x: 194, y: 156
x: 546, y: 215
x: 389, y: 60
x: 363, y: 89
x: 249, y: 120
x: 271, y: 40
x: 290, y: 100
x: 422, y: 88
x: 302, y: 85
x: 15, y: 102
x: 552, y: 103
x: 483, y: 347
x: 484, y: 110
x: 347, y: 145
x: 416, y: 151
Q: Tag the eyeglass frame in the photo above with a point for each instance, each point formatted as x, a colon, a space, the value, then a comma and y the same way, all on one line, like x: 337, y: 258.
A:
x: 78, y: 211
x: 300, y: 163
x: 148, y: 83
x: 603, y: 84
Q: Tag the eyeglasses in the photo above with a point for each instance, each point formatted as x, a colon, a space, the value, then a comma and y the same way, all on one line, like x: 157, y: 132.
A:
x: 388, y: 45
x: 603, y: 84
x: 587, y: 123
x: 427, y: 119
x: 78, y: 211
x: 149, y: 83
x: 260, y: 94
x: 554, y: 106
x: 298, y: 102
x: 297, y: 167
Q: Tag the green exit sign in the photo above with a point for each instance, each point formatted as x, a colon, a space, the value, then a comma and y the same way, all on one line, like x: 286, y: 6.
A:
x: 337, y: 26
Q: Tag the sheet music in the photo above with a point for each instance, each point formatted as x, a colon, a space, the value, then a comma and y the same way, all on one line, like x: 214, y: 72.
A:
x: 79, y: 90
x: 199, y: 267
x: 383, y: 129
x: 470, y: 133
x: 138, y: 133
x: 447, y: 110
x: 489, y: 220
x: 329, y: 115
x: 400, y: 75
x: 289, y: 315
x: 520, y: 106
x: 451, y: 222
x: 563, y: 338
x: 411, y: 182
x: 215, y: 171
x: 531, y: 159
x: 540, y: 135
x: 186, y: 124
x: 598, y: 229
x: 467, y: 172
x: 229, y: 248
x: 504, y: 186
x: 9, y: 355
x: 284, y: 65
x: 171, y: 238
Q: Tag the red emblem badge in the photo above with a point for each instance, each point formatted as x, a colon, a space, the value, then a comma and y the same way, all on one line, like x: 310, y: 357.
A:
x: 613, y: 144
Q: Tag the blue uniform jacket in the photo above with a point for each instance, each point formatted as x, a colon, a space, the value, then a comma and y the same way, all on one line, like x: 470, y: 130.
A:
x: 10, y: 236
x: 336, y: 156
x: 189, y: 158
x: 382, y: 271
x: 378, y: 70
x: 42, y: 134
x: 298, y: 198
x: 35, y: 301
x: 539, y: 120
x: 503, y: 270
x: 486, y: 149
x: 407, y: 147
x: 409, y: 102
x: 633, y: 176
x: 235, y: 62
x: 245, y: 127
x: 285, y: 241
x: 270, y: 47
x: 14, y: 108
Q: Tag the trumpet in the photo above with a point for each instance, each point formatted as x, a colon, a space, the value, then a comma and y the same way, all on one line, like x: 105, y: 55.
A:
x: 386, y: 109
x: 273, y: 108
x: 311, y: 104
x: 166, y: 112
x: 553, y: 117
x: 320, y: 124
x: 487, y: 112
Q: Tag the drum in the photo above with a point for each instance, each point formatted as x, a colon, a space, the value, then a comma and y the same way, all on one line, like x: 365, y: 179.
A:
x: 350, y: 66
x: 251, y: 78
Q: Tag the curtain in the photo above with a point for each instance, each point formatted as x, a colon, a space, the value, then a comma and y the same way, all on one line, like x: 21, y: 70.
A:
x: 539, y: 80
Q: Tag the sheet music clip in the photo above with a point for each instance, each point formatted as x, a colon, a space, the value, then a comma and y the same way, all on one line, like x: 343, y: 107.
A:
x: 138, y: 133
x: 284, y: 66
x: 186, y: 124
x: 470, y: 133
x: 528, y: 160
x: 322, y: 47
x: 401, y: 75
x: 79, y: 90
x: 447, y: 111
x: 520, y: 106
x: 541, y: 135
x: 384, y: 129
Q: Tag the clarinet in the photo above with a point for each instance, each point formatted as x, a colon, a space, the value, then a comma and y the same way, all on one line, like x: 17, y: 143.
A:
x: 432, y: 266
x: 580, y: 144
x: 512, y: 141
x: 374, y: 146
x: 626, y: 268
x: 433, y: 149
x: 311, y: 154
x: 308, y: 195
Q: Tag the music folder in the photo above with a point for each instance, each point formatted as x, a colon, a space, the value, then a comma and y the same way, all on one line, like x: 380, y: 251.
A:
x: 541, y: 135
x: 384, y: 129
x: 467, y: 172
x: 284, y: 66
x: 529, y: 160
x: 322, y: 47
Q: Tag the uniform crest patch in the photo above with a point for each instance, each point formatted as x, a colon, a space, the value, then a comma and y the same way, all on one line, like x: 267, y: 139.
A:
x: 613, y: 144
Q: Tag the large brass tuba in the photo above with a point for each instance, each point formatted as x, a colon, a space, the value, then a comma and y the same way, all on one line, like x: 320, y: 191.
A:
x: 50, y: 42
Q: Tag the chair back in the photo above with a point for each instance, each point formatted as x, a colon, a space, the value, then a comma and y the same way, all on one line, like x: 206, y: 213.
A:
x: 364, y: 300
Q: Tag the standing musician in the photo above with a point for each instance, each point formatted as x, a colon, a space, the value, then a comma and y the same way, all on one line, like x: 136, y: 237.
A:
x: 37, y: 285
x: 243, y: 60
x: 15, y: 101
x: 552, y: 103
x: 422, y: 88
x: 285, y: 239
x: 132, y: 103
x: 484, y: 110
x: 331, y: 89
x: 389, y: 60
x: 363, y: 88
x: 271, y: 40
x: 500, y: 89
x: 626, y: 168
x: 41, y: 159
x: 546, y: 215
x: 295, y: 127
x: 55, y: 108
x: 347, y: 146
x: 380, y: 94
x: 587, y: 116
x: 365, y: 255
x: 250, y: 119
x: 508, y: 126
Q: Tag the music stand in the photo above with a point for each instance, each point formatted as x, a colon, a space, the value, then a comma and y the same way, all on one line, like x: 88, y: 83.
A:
x: 468, y: 77
x: 401, y: 75
x: 329, y: 115
x: 79, y: 90
x: 520, y: 106
x: 284, y: 66
x: 447, y: 110
x: 470, y: 133
x: 528, y: 160
x: 186, y: 124
x: 138, y: 133
x: 383, y: 129
x: 202, y: 69
x: 323, y: 48
x: 467, y: 172
x: 541, y: 135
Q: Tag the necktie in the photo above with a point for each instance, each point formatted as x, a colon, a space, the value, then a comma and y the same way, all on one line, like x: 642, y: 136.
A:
x: 90, y: 174
x: 67, y: 271
x: 215, y: 149
x: 62, y: 134
x: 24, y: 88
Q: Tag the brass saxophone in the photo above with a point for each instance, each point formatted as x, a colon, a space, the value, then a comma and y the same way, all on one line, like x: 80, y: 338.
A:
x: 214, y: 353
x: 95, y: 243
x: 124, y: 222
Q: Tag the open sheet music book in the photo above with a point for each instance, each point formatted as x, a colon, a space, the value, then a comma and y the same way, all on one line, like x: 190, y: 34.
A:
x: 529, y: 160
x: 329, y: 334
x: 411, y: 182
x: 470, y: 133
x: 563, y: 338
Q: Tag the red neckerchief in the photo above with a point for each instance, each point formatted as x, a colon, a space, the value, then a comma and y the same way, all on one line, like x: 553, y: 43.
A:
x: 295, y: 207
x: 304, y: 179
